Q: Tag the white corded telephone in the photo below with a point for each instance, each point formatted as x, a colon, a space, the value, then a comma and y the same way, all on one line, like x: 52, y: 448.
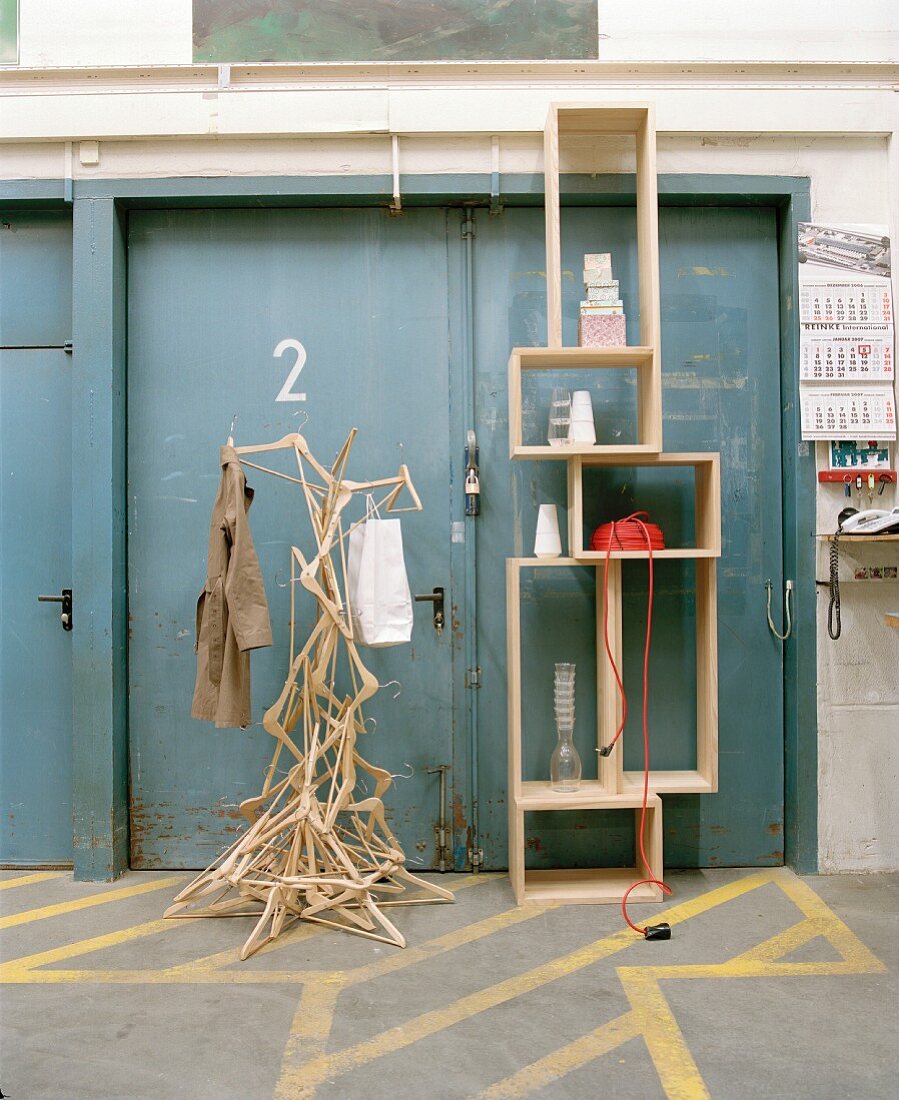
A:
x: 874, y: 521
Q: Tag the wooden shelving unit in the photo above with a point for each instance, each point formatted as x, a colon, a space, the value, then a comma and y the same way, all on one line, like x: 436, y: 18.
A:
x: 614, y: 788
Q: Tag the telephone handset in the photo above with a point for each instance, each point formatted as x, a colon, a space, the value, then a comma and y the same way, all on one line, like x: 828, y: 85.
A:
x: 874, y: 521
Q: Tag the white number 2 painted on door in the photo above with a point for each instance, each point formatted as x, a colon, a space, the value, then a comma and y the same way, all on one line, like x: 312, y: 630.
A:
x: 286, y: 393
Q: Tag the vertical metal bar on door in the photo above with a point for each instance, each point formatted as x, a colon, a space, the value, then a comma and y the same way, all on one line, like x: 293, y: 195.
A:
x: 475, y: 854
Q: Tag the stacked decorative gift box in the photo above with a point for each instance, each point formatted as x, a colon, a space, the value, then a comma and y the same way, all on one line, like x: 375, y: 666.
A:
x: 602, y: 322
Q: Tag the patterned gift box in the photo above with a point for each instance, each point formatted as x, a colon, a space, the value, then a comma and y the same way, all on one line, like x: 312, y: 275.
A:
x: 601, y: 307
x: 598, y: 278
x: 601, y: 261
x: 602, y: 294
x: 602, y: 331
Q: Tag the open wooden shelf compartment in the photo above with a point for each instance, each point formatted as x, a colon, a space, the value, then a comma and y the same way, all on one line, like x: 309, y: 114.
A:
x: 588, y: 120
x: 649, y: 419
x: 591, y: 884
x: 707, y: 504
x: 612, y: 779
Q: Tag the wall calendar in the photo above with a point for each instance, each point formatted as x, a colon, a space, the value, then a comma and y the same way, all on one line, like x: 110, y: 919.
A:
x: 865, y: 358
x: 846, y: 349
x: 847, y: 413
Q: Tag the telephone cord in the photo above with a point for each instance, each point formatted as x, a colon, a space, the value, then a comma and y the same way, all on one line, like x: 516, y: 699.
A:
x: 834, y: 624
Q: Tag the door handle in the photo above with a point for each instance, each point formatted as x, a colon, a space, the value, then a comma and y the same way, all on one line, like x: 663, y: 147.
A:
x: 435, y: 597
x: 65, y: 598
x: 788, y: 593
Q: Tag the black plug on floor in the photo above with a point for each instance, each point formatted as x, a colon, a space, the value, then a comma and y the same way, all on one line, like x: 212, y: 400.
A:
x: 658, y: 931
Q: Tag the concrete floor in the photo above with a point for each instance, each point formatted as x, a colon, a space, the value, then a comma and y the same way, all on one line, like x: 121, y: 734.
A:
x: 771, y: 986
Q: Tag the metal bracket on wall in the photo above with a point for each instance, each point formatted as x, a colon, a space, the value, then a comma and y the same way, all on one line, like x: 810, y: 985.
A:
x: 396, y: 206
x: 68, y: 185
x: 496, y: 206
x: 476, y: 858
x: 473, y: 677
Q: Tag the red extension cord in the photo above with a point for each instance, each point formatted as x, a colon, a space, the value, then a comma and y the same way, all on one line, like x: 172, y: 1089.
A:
x: 633, y: 533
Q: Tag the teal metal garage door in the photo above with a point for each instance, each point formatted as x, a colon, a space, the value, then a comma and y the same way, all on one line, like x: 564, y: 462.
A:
x: 211, y: 295
x: 377, y: 304
x: 721, y: 379
x: 35, y: 538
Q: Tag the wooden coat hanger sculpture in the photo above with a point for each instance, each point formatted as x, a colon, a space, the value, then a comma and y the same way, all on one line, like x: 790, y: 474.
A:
x: 317, y: 848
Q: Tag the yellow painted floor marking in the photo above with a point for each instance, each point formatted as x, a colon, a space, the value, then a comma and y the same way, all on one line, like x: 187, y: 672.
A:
x: 781, y: 944
x: 300, y: 1082
x: 313, y: 1019
x: 459, y: 937
x: 547, y: 1070
x: 306, y: 1063
x: 678, y: 1073
x: 652, y: 1014
x: 231, y: 955
x: 29, y: 880
x: 207, y: 969
x: 63, y: 907
x: 841, y: 936
x: 297, y: 932
x: 18, y: 970
x: 292, y: 1075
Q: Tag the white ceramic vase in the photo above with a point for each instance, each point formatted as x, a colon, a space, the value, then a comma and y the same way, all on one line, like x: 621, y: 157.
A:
x: 548, y: 542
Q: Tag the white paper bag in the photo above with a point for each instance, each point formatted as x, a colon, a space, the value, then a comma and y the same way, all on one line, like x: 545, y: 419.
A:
x: 377, y: 586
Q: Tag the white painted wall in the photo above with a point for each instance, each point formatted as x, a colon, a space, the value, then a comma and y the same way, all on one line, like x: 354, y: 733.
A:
x: 830, y: 129
x: 93, y: 33
x: 734, y: 30
x: 142, y: 32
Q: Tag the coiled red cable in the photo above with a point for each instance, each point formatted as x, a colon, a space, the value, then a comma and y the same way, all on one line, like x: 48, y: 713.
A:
x: 628, y: 534
x: 634, y: 532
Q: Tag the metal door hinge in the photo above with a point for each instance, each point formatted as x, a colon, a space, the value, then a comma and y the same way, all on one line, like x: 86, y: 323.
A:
x: 476, y: 858
x: 473, y: 677
x: 67, y: 347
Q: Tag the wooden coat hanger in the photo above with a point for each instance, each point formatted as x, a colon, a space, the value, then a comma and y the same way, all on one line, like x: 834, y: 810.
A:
x: 313, y: 850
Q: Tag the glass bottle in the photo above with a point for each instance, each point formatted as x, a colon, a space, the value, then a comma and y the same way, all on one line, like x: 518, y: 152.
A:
x: 565, y: 764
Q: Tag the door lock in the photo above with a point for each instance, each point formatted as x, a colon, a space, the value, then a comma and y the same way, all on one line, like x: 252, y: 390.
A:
x: 435, y: 597
x: 66, y: 600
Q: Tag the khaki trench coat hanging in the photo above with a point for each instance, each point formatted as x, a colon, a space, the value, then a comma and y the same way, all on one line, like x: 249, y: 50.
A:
x: 232, y: 611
